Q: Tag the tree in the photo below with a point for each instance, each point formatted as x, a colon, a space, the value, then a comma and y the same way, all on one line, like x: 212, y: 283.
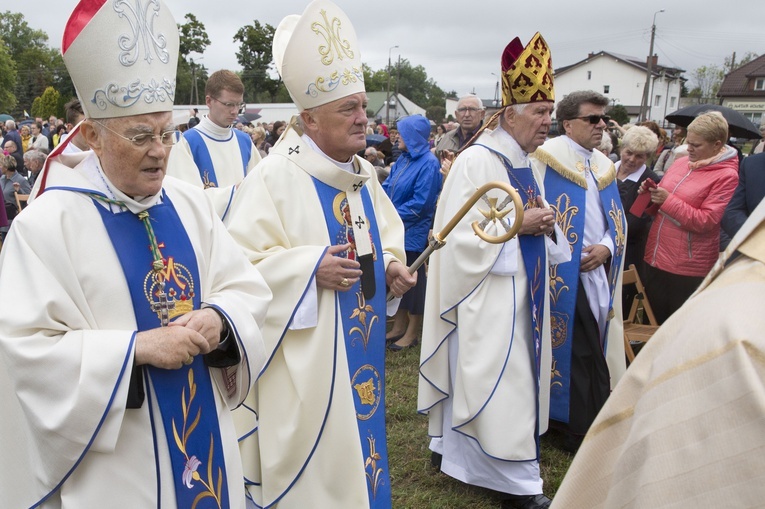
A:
x: 37, y: 65
x: 708, y: 80
x: 731, y: 65
x: 7, y: 79
x: 47, y: 104
x: 411, y: 82
x: 619, y: 114
x: 191, y: 75
x: 193, y: 37
x: 255, y: 57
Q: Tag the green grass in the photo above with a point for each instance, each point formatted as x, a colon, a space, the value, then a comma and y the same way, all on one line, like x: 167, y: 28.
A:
x: 417, y: 485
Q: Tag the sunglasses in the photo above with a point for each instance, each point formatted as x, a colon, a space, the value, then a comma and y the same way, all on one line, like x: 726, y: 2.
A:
x: 595, y: 119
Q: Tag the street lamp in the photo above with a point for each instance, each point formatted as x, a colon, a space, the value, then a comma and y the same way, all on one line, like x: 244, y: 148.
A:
x: 649, y: 65
x: 496, y: 91
x: 387, y: 95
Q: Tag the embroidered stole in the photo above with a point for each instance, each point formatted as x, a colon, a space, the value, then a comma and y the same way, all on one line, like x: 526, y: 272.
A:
x: 564, y: 278
x: 203, y: 160
x: 534, y: 261
x: 364, y: 333
x: 184, y: 396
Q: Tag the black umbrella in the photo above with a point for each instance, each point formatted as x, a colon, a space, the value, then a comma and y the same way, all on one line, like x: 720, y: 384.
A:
x: 738, y: 124
x: 375, y: 139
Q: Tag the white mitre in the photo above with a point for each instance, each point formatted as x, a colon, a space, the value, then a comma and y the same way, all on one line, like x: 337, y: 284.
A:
x: 317, y: 55
x: 122, y: 56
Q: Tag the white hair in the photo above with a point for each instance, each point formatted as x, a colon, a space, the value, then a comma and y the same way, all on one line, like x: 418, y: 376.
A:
x: 10, y: 124
x: 470, y: 97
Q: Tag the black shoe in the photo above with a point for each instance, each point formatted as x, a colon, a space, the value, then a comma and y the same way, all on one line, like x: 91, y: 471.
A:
x: 435, y: 460
x: 526, y: 502
x: 393, y: 347
x: 393, y: 339
x: 571, y: 443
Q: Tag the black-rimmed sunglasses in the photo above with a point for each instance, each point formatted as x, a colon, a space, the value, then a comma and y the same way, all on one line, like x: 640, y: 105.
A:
x: 595, y: 119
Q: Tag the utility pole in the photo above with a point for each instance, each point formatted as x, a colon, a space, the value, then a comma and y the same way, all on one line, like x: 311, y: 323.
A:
x: 387, y: 94
x: 646, y: 90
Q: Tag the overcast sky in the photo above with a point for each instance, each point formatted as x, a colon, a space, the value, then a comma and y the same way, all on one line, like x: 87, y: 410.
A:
x: 459, y: 43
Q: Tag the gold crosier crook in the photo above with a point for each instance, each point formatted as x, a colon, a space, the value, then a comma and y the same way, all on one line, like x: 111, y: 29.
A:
x: 494, y: 214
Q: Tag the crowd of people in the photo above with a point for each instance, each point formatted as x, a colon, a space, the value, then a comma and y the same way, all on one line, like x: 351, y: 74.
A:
x: 204, y: 311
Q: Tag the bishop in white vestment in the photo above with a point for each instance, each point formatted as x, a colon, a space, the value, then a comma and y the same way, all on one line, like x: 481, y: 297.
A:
x: 316, y: 222
x: 485, y: 360
x: 136, y: 324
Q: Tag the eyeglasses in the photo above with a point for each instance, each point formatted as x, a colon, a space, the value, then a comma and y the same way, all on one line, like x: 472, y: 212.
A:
x: 239, y: 106
x: 595, y: 119
x: 466, y: 109
x: 166, y: 138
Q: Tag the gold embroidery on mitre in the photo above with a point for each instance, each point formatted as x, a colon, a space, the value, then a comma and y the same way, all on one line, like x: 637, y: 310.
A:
x: 529, y: 79
x: 179, y: 289
x: 335, y: 47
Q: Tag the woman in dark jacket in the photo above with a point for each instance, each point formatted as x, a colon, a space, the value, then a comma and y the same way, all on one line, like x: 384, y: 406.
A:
x: 413, y: 186
x: 638, y: 146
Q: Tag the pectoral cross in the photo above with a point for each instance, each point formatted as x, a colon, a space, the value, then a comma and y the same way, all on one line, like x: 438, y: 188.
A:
x: 163, y: 307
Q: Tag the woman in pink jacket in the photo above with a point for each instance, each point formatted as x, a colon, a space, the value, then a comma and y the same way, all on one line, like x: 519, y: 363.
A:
x: 684, y: 240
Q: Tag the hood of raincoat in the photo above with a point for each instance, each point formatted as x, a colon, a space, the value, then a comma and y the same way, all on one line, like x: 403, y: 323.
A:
x: 415, y: 130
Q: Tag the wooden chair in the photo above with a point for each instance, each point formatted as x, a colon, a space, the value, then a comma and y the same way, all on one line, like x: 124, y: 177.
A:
x: 637, y: 332
x: 21, y: 201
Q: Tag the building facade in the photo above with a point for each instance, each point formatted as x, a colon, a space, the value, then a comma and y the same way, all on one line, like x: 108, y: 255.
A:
x: 622, y: 79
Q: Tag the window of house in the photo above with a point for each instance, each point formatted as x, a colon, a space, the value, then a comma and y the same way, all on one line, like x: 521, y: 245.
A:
x: 754, y: 117
x: 606, y: 88
x: 759, y: 84
x: 589, y: 75
x: 657, y: 100
x: 672, y: 102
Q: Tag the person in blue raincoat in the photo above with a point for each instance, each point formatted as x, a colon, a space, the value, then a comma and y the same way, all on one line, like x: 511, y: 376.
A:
x: 413, y: 186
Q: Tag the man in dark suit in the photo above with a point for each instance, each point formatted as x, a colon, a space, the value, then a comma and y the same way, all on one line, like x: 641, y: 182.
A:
x: 748, y: 194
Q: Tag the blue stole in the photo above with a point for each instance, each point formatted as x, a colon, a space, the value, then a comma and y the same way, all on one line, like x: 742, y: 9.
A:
x: 534, y: 261
x: 202, y: 158
x: 364, y: 334
x: 564, y: 278
x: 184, y: 396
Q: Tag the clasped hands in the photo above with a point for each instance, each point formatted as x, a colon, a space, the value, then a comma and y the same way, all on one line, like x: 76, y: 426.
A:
x: 539, y: 220
x: 191, y: 334
x: 340, y: 274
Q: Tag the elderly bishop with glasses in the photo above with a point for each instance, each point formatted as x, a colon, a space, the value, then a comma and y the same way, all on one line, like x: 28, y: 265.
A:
x: 585, y: 293
x: 136, y: 328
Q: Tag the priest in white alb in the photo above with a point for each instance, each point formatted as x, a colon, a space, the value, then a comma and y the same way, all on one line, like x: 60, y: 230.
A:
x: 135, y: 325
x: 214, y: 155
x: 316, y: 222
x: 485, y: 359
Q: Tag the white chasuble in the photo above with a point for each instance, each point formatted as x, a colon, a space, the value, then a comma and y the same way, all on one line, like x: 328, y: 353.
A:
x: 68, y: 342
x: 302, y: 446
